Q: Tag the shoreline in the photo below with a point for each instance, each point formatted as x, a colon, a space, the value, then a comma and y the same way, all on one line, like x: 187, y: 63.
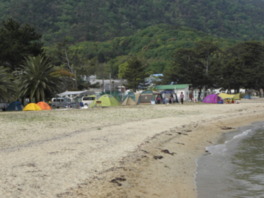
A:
x: 129, y: 179
x: 216, y: 168
x: 152, y: 155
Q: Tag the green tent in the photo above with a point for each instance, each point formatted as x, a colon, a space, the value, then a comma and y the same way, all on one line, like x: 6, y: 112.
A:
x: 146, y: 97
x: 105, y: 101
x: 130, y: 99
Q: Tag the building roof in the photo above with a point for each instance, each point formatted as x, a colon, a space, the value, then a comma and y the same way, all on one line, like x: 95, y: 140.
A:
x: 73, y: 93
x: 177, y: 86
x: 157, y: 75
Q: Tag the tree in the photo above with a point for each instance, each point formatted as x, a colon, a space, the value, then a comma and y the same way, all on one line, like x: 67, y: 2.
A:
x: 244, y: 66
x: 196, y: 66
x: 7, y: 84
x: 206, y: 52
x: 39, y: 79
x: 133, y: 71
x: 185, y: 69
x: 18, y: 42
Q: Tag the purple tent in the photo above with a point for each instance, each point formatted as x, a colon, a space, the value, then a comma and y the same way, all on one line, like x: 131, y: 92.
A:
x: 213, y: 98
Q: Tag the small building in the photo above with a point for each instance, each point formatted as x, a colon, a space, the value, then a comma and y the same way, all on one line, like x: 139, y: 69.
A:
x: 178, y: 88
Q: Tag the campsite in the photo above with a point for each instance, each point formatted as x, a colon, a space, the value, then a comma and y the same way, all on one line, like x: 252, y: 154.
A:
x: 78, y: 100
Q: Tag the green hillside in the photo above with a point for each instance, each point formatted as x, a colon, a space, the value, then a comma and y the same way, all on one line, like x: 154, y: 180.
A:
x: 205, y: 43
x: 97, y: 20
x: 155, y: 46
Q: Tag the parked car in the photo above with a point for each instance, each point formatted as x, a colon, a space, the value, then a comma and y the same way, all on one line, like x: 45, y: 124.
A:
x: 87, y: 100
x: 61, y: 103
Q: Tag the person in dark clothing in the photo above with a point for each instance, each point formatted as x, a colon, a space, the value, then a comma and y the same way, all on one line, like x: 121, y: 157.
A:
x: 181, y: 97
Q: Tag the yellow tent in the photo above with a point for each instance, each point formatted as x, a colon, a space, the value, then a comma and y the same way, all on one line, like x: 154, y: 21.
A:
x: 32, y: 107
x: 229, y: 96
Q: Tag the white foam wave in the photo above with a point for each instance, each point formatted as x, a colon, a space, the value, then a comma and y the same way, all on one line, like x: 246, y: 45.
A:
x: 241, y: 135
x: 222, y: 148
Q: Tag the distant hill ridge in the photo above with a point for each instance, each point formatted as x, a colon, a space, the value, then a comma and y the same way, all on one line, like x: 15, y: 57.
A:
x: 99, y: 20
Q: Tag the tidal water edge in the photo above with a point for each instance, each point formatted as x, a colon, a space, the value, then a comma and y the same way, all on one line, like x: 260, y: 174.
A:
x: 235, y: 166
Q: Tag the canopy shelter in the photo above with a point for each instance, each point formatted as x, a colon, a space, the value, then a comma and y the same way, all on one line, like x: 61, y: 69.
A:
x: 74, y: 95
x: 71, y: 94
x: 229, y: 96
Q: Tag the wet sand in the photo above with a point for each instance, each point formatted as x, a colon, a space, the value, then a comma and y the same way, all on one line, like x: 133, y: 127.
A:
x: 142, y: 151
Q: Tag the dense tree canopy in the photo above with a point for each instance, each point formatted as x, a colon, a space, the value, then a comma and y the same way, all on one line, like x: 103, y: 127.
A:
x: 133, y: 71
x: 99, y: 20
x: 7, y: 85
x: 196, y: 66
x: 239, y: 66
x: 244, y: 66
x: 17, y: 42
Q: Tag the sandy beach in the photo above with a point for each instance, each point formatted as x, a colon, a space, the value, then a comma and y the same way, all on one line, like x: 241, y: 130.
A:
x: 144, y: 151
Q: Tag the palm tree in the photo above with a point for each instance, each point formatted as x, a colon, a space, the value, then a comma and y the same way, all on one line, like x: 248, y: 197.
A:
x: 39, y: 79
x: 7, y: 85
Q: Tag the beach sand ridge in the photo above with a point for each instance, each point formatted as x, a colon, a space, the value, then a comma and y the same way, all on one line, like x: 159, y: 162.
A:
x: 143, y: 151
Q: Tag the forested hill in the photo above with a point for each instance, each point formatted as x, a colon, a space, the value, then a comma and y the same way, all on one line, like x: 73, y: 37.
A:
x: 97, y: 20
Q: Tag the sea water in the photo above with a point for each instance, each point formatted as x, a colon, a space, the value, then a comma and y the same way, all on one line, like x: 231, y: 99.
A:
x: 234, y: 168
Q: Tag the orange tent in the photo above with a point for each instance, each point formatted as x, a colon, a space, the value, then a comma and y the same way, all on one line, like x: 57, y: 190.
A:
x: 44, y: 106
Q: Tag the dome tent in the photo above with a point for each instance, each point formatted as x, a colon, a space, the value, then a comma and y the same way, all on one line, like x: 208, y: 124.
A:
x: 105, y: 101
x: 44, y: 105
x: 213, y: 98
x: 130, y: 99
x: 32, y: 107
x: 15, y: 106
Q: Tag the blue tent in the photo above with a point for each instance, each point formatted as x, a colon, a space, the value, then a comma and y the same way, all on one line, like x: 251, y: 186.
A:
x: 15, y: 106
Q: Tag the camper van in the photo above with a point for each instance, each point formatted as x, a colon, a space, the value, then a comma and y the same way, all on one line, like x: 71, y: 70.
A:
x: 87, y: 100
x: 61, y: 102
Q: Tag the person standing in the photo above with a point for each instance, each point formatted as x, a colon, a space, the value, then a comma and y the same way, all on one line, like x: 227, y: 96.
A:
x: 181, y: 97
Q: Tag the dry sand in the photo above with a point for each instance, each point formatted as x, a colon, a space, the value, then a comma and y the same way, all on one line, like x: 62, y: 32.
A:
x: 145, y: 151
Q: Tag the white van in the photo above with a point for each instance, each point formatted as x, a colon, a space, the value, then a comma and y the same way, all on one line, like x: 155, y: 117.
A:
x: 60, y: 102
x: 87, y: 100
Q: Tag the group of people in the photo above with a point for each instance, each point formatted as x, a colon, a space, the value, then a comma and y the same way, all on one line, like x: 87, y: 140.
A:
x: 165, y: 100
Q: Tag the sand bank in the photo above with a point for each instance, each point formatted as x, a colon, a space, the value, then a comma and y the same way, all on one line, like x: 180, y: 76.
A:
x: 143, y: 151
